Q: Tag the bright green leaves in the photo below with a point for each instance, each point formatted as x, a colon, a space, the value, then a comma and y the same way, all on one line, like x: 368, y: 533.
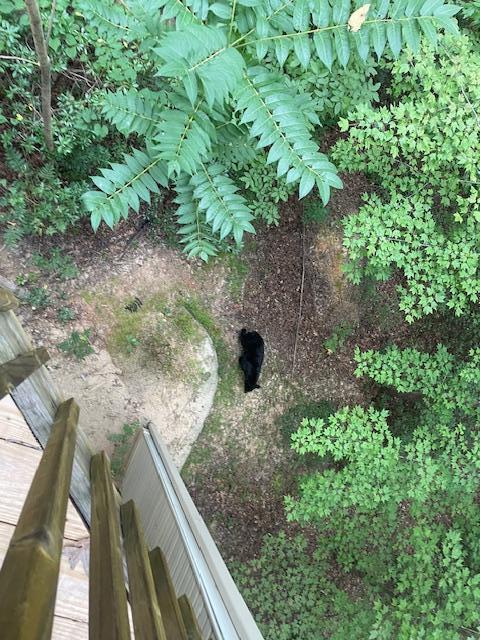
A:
x: 336, y: 32
x: 210, y: 210
x: 273, y: 116
x: 124, y: 186
x: 133, y: 111
x: 226, y: 211
x: 359, y: 439
x: 439, y: 270
x: 184, y: 137
x: 199, y: 56
x: 324, y: 48
x: 427, y: 144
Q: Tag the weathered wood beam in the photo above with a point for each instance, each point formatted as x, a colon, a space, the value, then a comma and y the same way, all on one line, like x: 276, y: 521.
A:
x: 108, y: 615
x: 167, y: 599
x: 189, y: 620
x: 29, y: 575
x: 15, y: 371
x: 147, y: 619
x: 38, y: 399
x: 8, y: 301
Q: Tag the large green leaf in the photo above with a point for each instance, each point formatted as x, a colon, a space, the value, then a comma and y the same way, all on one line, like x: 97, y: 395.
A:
x: 202, y: 52
x: 273, y: 116
x: 133, y: 111
x: 226, y: 211
x: 184, y: 136
x: 124, y: 185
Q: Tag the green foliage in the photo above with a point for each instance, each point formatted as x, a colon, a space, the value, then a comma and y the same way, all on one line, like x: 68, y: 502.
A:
x: 264, y: 190
x: 471, y: 11
x: 38, y: 204
x: 424, y: 151
x: 403, y: 509
x: 290, y: 421
x: 440, y: 270
x: 78, y: 344
x: 335, y: 92
x: 291, y: 597
x: 121, y: 446
x: 38, y: 298
x: 340, y: 335
x: 60, y: 265
x: 314, y: 211
x: 210, y: 95
x: 66, y: 314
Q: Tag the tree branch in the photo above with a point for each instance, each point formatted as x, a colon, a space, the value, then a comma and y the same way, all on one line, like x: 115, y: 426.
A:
x: 44, y: 63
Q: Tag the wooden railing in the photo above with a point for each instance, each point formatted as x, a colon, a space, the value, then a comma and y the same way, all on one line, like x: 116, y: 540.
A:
x: 30, y: 571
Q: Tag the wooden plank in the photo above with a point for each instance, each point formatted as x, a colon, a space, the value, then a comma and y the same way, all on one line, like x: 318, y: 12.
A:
x: 8, y: 301
x: 29, y: 574
x: 13, y: 427
x: 167, y: 599
x: 66, y: 629
x: 193, y: 632
x: 17, y: 469
x: 147, y: 620
x: 38, y: 398
x: 72, y: 593
x: 108, y: 596
x: 18, y: 369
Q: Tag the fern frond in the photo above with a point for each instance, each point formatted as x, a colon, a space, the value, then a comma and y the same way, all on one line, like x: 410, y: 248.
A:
x: 226, y: 211
x: 303, y: 27
x: 273, y: 116
x: 184, y: 136
x: 200, y: 55
x: 123, y: 186
x: 133, y: 111
x: 196, y: 234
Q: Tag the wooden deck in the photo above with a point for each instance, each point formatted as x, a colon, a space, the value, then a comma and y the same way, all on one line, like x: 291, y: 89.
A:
x: 20, y: 454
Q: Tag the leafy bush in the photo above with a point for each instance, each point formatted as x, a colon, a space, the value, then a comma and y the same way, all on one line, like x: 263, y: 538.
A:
x: 210, y: 93
x: 339, y: 336
x: 66, y: 314
x: 402, y: 509
x: 57, y: 263
x: 335, y: 93
x: 424, y: 151
x: 292, y: 598
x: 314, y: 211
x: 290, y: 421
x: 440, y: 270
x: 39, y: 204
x: 38, y: 298
x: 78, y: 344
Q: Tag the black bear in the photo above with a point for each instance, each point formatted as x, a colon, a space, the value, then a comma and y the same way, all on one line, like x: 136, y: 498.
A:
x: 252, y: 358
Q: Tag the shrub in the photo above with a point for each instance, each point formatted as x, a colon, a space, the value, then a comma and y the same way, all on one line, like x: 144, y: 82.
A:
x: 57, y: 263
x: 78, y: 344
x: 424, y: 151
x: 66, y: 314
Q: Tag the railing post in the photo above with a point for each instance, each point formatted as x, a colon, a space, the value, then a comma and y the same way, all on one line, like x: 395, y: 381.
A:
x: 15, y: 371
x: 29, y: 575
x: 108, y: 598
x: 147, y: 620
x: 167, y: 600
x: 189, y: 620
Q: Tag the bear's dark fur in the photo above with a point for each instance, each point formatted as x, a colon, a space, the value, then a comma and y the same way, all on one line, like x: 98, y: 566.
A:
x: 252, y: 358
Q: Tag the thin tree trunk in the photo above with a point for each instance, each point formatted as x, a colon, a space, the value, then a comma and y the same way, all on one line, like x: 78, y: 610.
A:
x: 44, y: 62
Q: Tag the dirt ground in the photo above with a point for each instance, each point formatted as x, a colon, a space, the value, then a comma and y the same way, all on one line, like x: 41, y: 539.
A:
x: 240, y: 467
